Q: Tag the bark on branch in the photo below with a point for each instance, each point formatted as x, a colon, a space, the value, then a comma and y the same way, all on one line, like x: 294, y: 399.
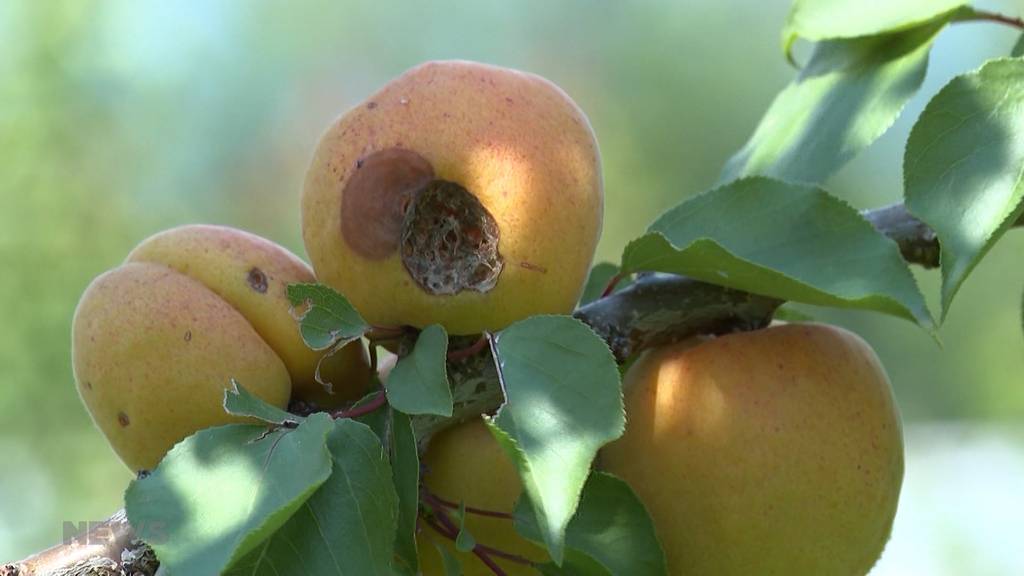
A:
x: 656, y: 309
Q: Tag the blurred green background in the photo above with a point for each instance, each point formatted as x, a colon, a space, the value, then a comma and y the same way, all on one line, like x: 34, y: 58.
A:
x: 121, y: 118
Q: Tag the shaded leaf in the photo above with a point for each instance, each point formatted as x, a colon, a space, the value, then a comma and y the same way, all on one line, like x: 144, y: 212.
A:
x: 787, y: 241
x: 464, y: 541
x: 847, y: 96
x: 1018, y: 48
x: 452, y: 566
x: 239, y: 402
x: 328, y: 316
x: 405, y: 468
x: 563, y: 402
x: 611, y: 532
x: 597, y: 281
x: 221, y: 492
x: 347, y: 528
x: 418, y: 384
x: 964, y: 163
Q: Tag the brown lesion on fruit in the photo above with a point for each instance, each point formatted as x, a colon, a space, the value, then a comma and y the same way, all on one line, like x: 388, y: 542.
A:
x: 257, y: 280
x: 450, y: 241
x: 374, y: 199
x: 123, y: 420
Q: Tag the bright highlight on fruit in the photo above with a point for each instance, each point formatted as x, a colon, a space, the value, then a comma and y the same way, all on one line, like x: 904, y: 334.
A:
x: 777, y: 451
x: 460, y: 194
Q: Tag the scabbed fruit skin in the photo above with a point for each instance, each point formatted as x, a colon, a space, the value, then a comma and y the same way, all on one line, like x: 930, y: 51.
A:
x: 156, y: 341
x: 383, y: 217
x: 465, y: 464
x: 774, y: 452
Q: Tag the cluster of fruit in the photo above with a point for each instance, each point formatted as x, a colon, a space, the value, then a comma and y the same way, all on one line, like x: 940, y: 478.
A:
x: 471, y: 196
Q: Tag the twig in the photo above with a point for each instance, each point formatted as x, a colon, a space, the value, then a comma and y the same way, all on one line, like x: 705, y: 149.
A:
x: 654, y: 310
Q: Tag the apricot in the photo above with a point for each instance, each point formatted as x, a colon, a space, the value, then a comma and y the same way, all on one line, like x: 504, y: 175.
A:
x: 251, y: 274
x: 460, y: 194
x: 465, y: 464
x: 770, y: 452
x: 156, y: 341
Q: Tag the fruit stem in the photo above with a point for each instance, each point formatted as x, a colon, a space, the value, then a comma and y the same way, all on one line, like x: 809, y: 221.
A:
x: 384, y: 333
x: 469, y: 351
x: 379, y: 399
x: 973, y: 15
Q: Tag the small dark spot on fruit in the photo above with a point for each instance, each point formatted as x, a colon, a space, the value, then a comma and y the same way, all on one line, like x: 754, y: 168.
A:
x: 257, y: 280
x: 122, y: 419
x: 188, y: 336
x: 508, y: 99
x: 359, y: 164
x: 88, y: 385
x: 371, y: 105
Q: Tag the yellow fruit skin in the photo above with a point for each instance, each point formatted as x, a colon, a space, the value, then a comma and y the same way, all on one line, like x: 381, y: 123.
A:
x: 775, y: 452
x: 153, y: 351
x: 252, y: 274
x: 517, y: 143
x: 465, y: 464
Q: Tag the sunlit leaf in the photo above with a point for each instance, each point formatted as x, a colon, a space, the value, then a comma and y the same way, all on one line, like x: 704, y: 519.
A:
x: 325, y: 316
x: 221, y: 492
x: 829, y: 19
x: 347, y: 528
x: 964, y: 164
x: 563, y: 402
x: 847, y: 96
x: 787, y: 241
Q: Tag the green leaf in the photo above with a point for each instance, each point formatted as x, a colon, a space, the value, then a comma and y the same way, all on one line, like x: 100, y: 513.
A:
x: 597, y: 281
x: 563, y: 402
x: 787, y: 241
x: 1018, y: 48
x: 239, y: 402
x: 328, y: 317
x: 452, y: 566
x: 464, y: 541
x: 418, y: 384
x: 378, y: 420
x: 221, y: 492
x: 847, y: 96
x: 611, y: 527
x: 787, y: 313
x: 347, y: 528
x: 830, y: 19
x: 963, y: 166
x: 405, y: 468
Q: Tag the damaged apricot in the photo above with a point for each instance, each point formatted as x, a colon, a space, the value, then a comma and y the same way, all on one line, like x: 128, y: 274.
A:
x: 460, y: 194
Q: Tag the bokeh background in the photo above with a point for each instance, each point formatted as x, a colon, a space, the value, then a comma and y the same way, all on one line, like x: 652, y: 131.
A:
x: 121, y: 118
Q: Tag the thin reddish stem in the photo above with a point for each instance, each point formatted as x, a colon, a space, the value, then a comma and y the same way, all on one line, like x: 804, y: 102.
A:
x: 380, y: 399
x: 984, y: 15
x: 469, y: 351
x: 444, y: 525
x: 610, y: 286
x: 437, y: 500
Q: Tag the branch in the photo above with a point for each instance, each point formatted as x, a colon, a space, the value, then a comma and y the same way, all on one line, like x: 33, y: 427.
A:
x: 656, y: 309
